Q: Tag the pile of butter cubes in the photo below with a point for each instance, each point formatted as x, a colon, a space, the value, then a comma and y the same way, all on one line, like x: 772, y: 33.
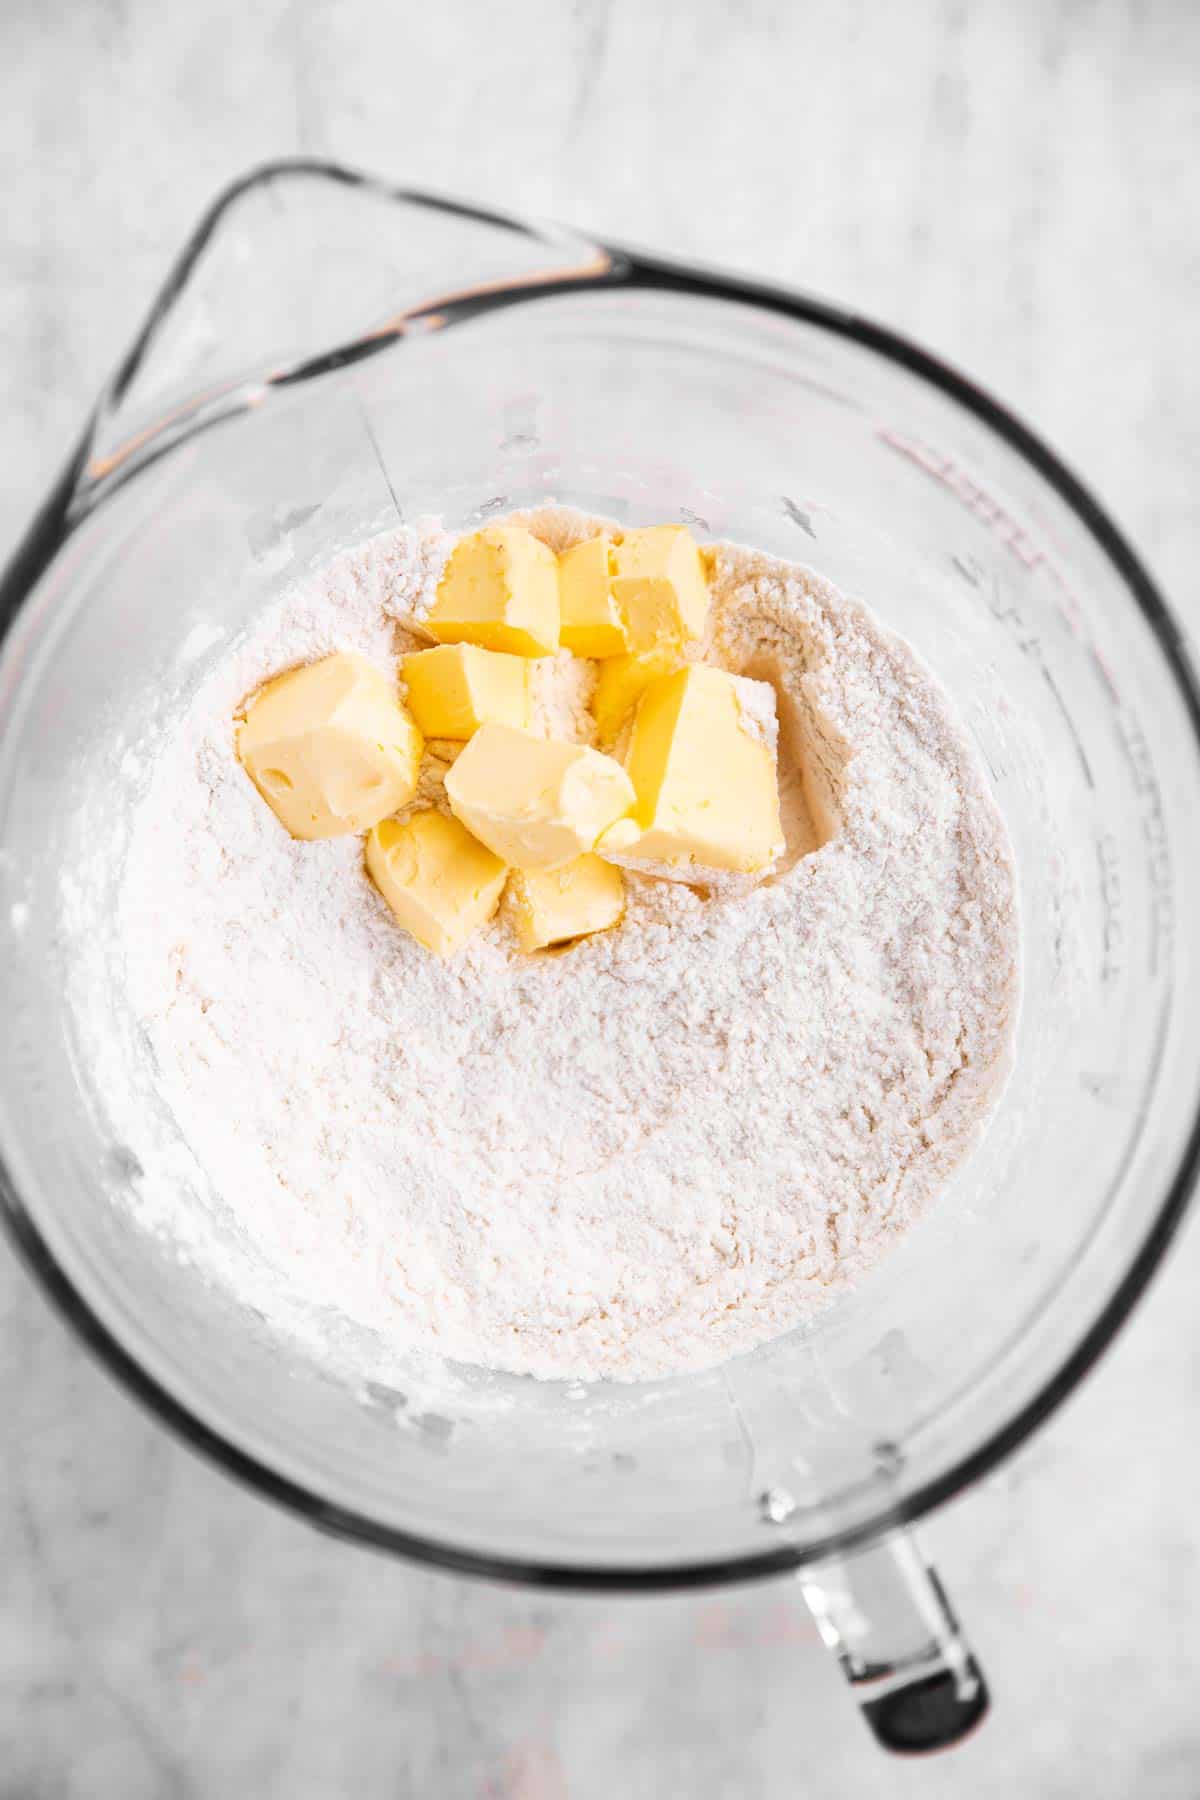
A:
x: 686, y: 788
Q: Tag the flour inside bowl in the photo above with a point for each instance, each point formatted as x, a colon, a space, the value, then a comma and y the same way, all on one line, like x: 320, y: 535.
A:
x: 641, y: 1156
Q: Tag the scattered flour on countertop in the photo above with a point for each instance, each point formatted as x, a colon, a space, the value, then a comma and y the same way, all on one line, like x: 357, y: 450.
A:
x: 641, y: 1156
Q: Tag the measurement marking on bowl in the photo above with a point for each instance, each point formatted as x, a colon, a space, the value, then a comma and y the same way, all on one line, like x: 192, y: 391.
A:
x: 1072, y: 728
x: 797, y: 516
x: 1029, y: 643
x: 889, y: 1459
x: 1155, y: 840
x: 1106, y: 675
x: 124, y: 1164
x: 1112, y: 932
x: 973, y: 496
x: 380, y: 1398
x: 996, y: 773
x: 978, y: 501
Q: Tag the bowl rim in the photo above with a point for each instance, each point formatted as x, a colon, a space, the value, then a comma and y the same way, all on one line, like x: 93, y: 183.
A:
x: 617, y: 267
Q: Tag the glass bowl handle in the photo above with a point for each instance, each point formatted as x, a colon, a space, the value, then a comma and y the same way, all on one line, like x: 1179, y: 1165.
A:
x: 297, y: 268
x: 884, y: 1614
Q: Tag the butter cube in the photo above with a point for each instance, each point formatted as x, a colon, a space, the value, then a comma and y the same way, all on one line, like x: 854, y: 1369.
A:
x: 660, y: 586
x: 536, y: 802
x: 330, y: 748
x: 499, y: 590
x: 702, y: 758
x: 438, y: 880
x: 456, y: 688
x: 622, y: 681
x: 591, y: 620
x: 555, y: 905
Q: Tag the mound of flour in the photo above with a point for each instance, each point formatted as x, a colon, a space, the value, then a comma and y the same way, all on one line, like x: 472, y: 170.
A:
x: 635, y: 1158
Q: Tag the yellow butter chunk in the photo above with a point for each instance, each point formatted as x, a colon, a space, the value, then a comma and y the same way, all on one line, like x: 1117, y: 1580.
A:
x: 591, y: 619
x: 660, y: 586
x: 330, y: 748
x: 456, y: 688
x: 702, y: 758
x: 555, y: 905
x: 500, y: 590
x: 622, y: 681
x: 536, y: 802
x: 441, y: 883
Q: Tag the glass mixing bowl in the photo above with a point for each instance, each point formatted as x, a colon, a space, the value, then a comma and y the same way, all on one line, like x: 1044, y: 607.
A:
x: 330, y: 353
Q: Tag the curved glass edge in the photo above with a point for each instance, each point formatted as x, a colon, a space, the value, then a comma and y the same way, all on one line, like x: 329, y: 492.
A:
x: 47, y: 534
x: 563, y: 261
x: 81, y: 485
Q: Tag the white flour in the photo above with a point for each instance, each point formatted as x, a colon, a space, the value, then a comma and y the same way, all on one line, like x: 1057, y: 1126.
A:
x: 638, y: 1157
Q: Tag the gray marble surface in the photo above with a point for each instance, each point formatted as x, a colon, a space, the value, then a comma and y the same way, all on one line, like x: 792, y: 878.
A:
x: 1014, y: 184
